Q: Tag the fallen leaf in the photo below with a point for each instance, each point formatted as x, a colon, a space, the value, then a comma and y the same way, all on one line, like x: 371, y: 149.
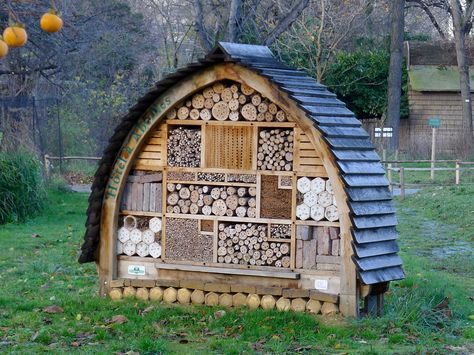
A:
x: 34, y: 235
x: 79, y: 316
x: 53, y: 309
x: 258, y: 345
x: 119, y: 319
x: 146, y: 310
x: 275, y: 337
x: 219, y: 314
x: 471, y: 317
x: 75, y: 344
x: 34, y: 336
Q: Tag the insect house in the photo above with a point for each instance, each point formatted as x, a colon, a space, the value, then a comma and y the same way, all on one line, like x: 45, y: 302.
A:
x: 238, y: 181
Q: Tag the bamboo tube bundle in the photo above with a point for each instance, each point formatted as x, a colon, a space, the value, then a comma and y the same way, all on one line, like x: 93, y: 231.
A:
x: 280, y: 231
x: 275, y: 149
x: 184, y: 147
x: 247, y: 244
x: 316, y: 200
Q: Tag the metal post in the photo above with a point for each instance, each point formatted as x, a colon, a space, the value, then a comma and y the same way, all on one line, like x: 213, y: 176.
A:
x: 433, y: 153
x: 402, y: 183
x: 458, y: 172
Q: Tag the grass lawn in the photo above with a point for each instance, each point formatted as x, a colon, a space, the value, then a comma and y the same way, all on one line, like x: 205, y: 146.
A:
x: 437, y: 241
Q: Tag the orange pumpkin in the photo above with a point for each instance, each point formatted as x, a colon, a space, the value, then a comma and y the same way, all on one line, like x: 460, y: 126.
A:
x: 15, y: 36
x: 3, y: 49
x: 51, y: 22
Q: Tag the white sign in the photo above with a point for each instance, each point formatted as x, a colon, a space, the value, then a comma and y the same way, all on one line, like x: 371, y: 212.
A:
x: 137, y: 270
x: 385, y: 132
x: 321, y: 284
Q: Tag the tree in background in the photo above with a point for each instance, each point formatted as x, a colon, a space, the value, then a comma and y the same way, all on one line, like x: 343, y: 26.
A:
x: 395, y: 71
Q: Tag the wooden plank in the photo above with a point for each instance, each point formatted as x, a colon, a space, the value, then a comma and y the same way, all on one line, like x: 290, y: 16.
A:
x: 230, y: 219
x: 151, y: 155
x: 328, y: 259
x: 318, y: 223
x: 153, y: 147
x: 309, y: 254
x: 139, y: 197
x: 152, y: 198
x: 141, y: 213
x: 146, y: 197
x: 134, y: 196
x: 158, y: 198
x: 222, y: 270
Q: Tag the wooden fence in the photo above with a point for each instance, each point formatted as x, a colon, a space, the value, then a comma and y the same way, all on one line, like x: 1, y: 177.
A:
x: 393, y: 166
x: 48, y: 159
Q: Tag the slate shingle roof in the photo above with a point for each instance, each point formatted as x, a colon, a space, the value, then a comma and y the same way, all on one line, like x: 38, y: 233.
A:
x: 369, y: 199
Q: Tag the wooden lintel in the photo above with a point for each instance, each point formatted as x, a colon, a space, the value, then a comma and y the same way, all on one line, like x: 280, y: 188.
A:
x: 229, y: 271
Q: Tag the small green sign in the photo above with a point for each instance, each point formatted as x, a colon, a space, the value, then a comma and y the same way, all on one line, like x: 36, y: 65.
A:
x: 434, y: 122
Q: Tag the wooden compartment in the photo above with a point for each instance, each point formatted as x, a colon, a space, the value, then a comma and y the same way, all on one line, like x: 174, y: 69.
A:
x: 229, y: 147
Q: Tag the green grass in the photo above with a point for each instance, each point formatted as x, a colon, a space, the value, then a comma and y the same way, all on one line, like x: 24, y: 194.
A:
x: 40, y: 272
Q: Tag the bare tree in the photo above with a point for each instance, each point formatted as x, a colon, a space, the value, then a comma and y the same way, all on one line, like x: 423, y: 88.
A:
x: 395, y: 70
x: 321, y: 30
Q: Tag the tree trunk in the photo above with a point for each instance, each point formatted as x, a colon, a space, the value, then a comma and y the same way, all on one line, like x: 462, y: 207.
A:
x: 463, y: 67
x: 395, y: 71
x: 234, y: 19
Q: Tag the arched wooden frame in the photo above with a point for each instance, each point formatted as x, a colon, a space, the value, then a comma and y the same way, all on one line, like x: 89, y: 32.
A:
x: 184, y: 88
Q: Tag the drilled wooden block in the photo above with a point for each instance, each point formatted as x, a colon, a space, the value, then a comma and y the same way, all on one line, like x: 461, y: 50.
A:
x: 335, y: 247
x: 323, y: 244
x: 309, y: 254
x: 299, y: 254
x: 328, y: 267
x: 303, y: 232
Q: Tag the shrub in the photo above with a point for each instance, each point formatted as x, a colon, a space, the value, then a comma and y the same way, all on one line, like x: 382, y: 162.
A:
x: 21, y: 187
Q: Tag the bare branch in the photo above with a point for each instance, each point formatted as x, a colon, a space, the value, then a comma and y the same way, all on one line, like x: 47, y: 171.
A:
x: 286, y: 22
x: 199, y: 24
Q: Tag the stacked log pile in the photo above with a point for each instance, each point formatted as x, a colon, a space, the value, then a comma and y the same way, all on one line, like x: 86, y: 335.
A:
x: 275, y: 149
x: 184, y: 147
x: 318, y: 248
x: 228, y: 101
x: 140, y: 238
x: 211, y: 200
x: 316, y: 200
x: 226, y: 295
x: 248, y: 244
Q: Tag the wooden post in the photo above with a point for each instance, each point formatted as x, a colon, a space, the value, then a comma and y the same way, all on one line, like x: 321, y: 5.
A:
x: 402, y: 183
x: 433, y: 153
x: 458, y: 172
x: 389, y: 175
x: 46, y: 166
x: 384, y: 156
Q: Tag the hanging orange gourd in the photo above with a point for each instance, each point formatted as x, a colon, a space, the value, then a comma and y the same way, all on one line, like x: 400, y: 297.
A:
x: 15, y: 36
x: 3, y: 48
x: 50, y: 22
